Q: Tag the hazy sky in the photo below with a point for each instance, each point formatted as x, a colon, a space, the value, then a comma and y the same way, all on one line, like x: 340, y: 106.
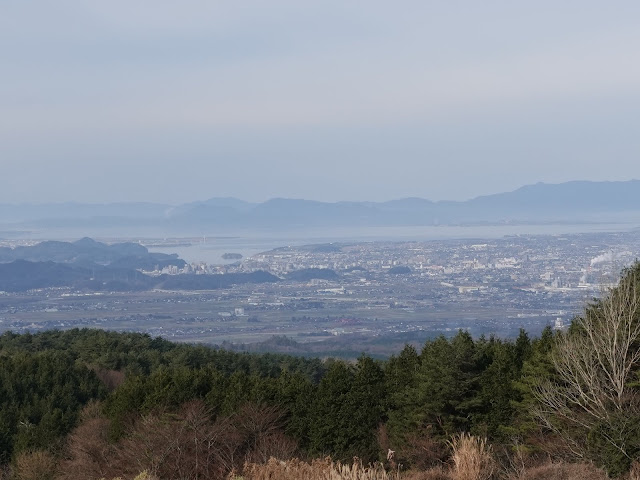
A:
x: 333, y: 100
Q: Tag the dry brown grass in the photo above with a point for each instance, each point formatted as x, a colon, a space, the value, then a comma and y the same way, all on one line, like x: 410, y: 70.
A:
x: 472, y: 458
x: 435, y: 473
x: 146, y: 476
x: 562, y: 471
x: 141, y: 476
x: 318, y: 469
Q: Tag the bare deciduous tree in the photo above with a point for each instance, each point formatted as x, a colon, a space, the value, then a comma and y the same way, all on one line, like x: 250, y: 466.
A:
x: 38, y: 465
x: 190, y: 445
x: 88, y: 452
x: 595, y: 363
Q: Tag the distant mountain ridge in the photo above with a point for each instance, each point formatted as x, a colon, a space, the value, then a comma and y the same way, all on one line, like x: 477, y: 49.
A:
x: 565, y: 202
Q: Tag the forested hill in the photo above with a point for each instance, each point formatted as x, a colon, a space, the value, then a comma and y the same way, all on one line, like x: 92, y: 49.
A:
x: 84, y: 264
x: 329, y: 407
x: 88, y: 252
x: 307, y: 405
x: 90, y: 265
x: 95, y: 404
x: 22, y: 275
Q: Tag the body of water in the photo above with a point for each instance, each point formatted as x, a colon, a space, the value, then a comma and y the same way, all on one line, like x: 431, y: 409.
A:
x: 211, y: 249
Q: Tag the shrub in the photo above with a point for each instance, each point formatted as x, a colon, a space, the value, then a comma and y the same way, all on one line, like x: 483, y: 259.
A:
x: 39, y: 465
x: 422, y: 450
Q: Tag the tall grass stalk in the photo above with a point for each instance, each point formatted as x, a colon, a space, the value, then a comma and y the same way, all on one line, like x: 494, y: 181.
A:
x: 324, y: 469
x: 472, y: 458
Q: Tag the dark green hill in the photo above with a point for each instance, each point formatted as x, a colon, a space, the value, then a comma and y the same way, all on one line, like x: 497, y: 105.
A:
x: 87, y: 251
x: 307, y: 274
x: 21, y: 275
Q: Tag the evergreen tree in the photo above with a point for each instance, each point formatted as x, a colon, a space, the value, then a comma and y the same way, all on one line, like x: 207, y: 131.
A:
x: 401, y: 377
x: 448, y: 383
x: 330, y: 426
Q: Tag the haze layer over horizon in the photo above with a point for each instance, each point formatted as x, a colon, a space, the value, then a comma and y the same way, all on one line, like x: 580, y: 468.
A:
x: 171, y: 103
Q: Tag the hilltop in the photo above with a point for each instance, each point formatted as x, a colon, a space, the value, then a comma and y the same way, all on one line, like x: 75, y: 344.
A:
x: 570, y: 202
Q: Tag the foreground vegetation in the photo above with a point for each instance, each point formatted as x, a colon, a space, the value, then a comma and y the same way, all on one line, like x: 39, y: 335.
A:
x: 93, y: 404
